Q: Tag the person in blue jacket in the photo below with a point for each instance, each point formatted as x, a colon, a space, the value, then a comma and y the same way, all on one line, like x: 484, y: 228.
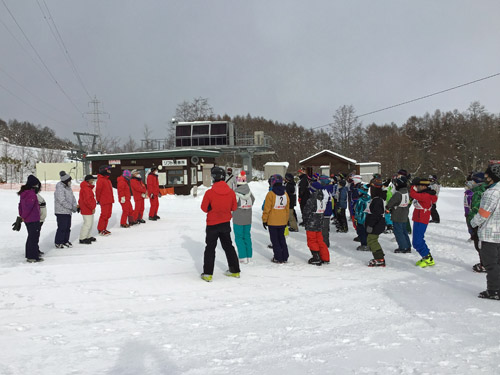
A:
x: 360, y: 216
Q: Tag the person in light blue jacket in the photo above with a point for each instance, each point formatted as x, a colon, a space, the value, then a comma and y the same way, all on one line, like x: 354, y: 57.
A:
x: 64, y: 206
x: 360, y: 216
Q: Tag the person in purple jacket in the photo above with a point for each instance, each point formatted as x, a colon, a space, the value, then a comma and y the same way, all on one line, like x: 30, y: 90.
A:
x: 29, y: 211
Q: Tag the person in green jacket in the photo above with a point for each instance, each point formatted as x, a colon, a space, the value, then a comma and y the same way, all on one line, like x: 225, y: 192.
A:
x: 478, y: 187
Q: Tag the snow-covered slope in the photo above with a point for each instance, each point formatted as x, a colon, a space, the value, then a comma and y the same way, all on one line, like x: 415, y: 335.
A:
x: 133, y: 303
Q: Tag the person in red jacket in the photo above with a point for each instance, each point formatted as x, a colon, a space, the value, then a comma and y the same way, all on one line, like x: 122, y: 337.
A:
x: 423, y: 199
x: 218, y: 203
x: 124, y: 196
x: 139, y: 193
x: 153, y: 193
x: 104, y: 197
x: 87, y: 204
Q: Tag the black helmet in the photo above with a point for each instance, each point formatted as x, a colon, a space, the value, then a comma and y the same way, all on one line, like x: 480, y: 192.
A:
x: 400, y: 182
x: 218, y: 174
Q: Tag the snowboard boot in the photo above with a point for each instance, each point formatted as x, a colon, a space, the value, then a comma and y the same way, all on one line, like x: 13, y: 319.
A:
x: 316, y: 260
x: 232, y: 274
x: 426, y: 261
x: 363, y: 248
x: 377, y: 263
x: 356, y: 239
x: 490, y: 294
x: 402, y: 251
x: 206, y: 277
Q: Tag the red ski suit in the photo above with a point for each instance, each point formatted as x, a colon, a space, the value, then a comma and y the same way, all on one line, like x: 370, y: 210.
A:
x: 138, y: 189
x: 86, y: 199
x: 217, y: 205
x: 124, y: 194
x: 422, y: 205
x: 104, y: 195
x: 153, y: 193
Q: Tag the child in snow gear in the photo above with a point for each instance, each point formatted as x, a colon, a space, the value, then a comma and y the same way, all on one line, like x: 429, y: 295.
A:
x: 341, y: 207
x: 468, y: 193
x: 375, y: 222
x: 104, y: 198
x: 488, y: 222
x: 360, y: 216
x: 290, y: 190
x: 139, y: 194
x: 124, y: 196
x: 387, y: 187
x: 65, y: 204
x: 423, y: 198
x: 275, y: 217
x: 314, y: 212
x: 478, y: 186
x: 399, y: 207
x: 29, y: 211
x: 353, y: 195
x: 153, y: 188
x: 218, y: 202
x: 327, y: 188
x: 436, y: 187
x: 230, y: 179
x: 242, y: 218
x: 87, y: 203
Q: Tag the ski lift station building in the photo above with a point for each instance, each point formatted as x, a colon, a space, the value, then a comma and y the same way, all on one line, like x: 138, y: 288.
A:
x: 179, y: 170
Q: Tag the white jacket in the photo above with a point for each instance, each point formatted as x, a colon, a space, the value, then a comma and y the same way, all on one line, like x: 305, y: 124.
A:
x: 488, y: 217
x: 64, y: 200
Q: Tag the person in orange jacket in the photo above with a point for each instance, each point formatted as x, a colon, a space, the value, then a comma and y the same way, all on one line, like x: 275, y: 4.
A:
x: 104, y: 197
x: 87, y: 203
x: 124, y: 196
x: 219, y: 202
x: 275, y: 217
x: 153, y: 187
x: 139, y: 193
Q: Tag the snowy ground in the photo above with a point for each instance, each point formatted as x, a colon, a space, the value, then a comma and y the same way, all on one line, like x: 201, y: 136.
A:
x: 133, y: 303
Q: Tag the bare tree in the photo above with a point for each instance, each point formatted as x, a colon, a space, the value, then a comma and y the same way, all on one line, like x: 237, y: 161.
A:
x: 342, y: 128
x: 197, y: 109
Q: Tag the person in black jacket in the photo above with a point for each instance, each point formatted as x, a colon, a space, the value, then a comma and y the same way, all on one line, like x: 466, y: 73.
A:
x: 375, y: 222
x: 314, y: 211
x: 304, y: 193
x: 290, y: 189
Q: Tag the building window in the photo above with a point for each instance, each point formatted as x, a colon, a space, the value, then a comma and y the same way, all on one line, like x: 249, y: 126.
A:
x: 175, y: 177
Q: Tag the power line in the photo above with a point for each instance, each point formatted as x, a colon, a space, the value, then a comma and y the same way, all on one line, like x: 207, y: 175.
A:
x: 31, y: 93
x: 416, y: 99
x: 30, y: 105
x: 40, y: 58
x: 60, y: 41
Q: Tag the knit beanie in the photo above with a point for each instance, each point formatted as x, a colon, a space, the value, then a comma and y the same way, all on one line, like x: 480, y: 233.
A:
x: 64, y: 176
x: 127, y: 174
x: 89, y: 177
x: 32, y: 181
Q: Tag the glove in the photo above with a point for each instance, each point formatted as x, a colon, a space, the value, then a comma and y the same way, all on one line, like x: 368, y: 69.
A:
x: 17, y: 225
x: 159, y: 195
x: 152, y: 196
x: 209, y: 208
x: 78, y: 209
x: 264, y: 225
x: 143, y: 195
x: 122, y: 200
x: 369, y: 229
x: 97, y: 203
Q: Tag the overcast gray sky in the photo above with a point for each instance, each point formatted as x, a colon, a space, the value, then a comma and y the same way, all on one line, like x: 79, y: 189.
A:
x: 285, y: 60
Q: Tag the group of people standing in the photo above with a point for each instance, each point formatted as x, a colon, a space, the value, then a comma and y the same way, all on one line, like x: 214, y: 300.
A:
x: 33, y: 211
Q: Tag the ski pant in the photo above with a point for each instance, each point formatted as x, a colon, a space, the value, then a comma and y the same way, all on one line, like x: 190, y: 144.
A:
x: 106, y: 210
x: 372, y: 240
x: 418, y: 238
x: 243, y: 240
x: 315, y: 243
x: 325, y: 230
x: 434, y: 213
x: 139, y: 209
x: 280, y: 248
x: 341, y: 220
x: 63, y: 228
x: 490, y: 254
x: 361, y: 231
x: 127, y: 213
x: 292, y: 220
x: 220, y: 231
x: 32, y: 249
x: 88, y: 222
x: 154, y: 204
x: 401, y: 234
